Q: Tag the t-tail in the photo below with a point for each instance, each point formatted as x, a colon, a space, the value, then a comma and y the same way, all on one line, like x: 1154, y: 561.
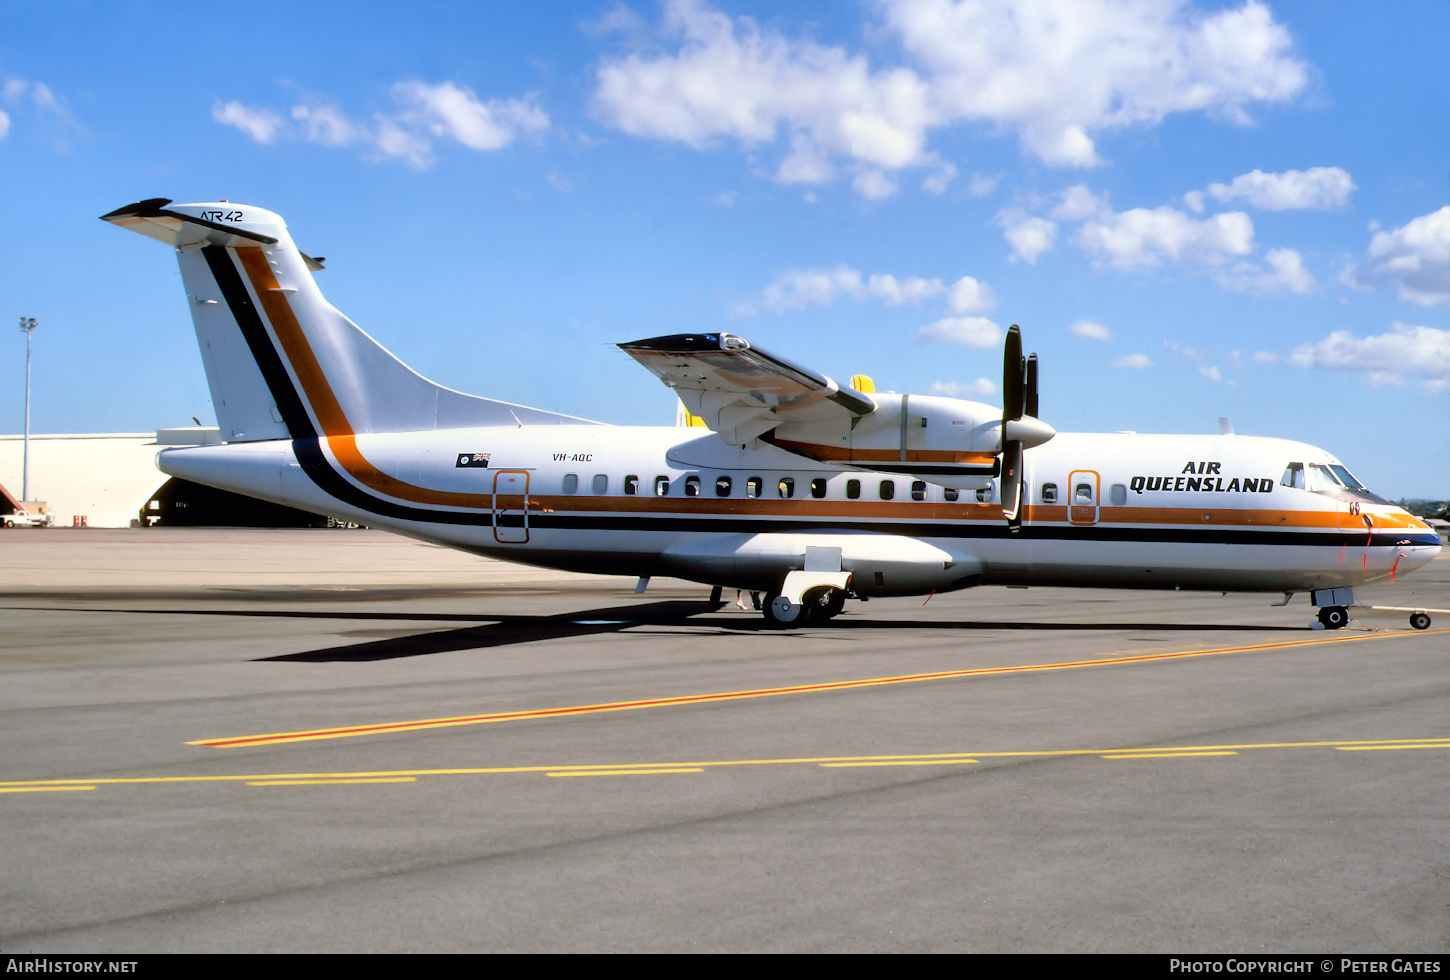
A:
x: 281, y: 361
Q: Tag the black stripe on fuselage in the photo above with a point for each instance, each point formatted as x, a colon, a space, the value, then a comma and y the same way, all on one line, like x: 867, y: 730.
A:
x: 305, y: 443
x: 308, y: 449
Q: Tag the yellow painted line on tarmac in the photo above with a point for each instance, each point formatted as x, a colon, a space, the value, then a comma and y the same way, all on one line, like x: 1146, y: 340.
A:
x: 390, y: 728
x: 619, y: 772
x: 42, y: 789
x: 898, y: 762
x: 331, y: 782
x: 1166, y: 755
x: 682, y: 766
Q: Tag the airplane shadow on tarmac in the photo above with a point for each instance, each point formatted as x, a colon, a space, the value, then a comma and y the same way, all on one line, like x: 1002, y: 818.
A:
x: 509, y: 630
x: 506, y: 630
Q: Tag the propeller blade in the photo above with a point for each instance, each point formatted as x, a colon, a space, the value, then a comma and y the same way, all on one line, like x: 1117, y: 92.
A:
x: 1012, y: 482
x: 1030, y: 383
x: 1012, y: 387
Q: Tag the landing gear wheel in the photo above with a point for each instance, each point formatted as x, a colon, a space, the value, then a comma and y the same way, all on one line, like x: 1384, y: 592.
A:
x: 1420, y: 621
x: 781, y: 613
x: 1334, y: 617
x: 824, y: 604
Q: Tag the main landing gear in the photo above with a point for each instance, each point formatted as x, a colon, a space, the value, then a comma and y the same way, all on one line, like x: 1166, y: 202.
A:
x: 816, y: 606
x: 1333, y: 617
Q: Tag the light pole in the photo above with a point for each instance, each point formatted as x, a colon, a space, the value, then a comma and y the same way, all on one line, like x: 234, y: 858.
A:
x: 28, y: 325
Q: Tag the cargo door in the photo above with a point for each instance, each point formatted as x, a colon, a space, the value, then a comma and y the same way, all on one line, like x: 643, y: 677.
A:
x: 1082, y: 500
x: 511, y: 506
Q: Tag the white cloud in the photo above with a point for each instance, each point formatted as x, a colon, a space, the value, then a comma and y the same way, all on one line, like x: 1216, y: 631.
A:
x: 1416, y: 257
x: 1141, y: 237
x: 426, y: 113
x: 1266, y: 357
x: 937, y: 183
x: 969, y: 295
x: 1187, y: 353
x: 1194, y: 200
x: 874, y: 185
x: 802, y: 288
x: 1384, y: 358
x: 21, y: 92
x: 894, y: 292
x: 729, y: 78
x: 1091, y: 330
x: 981, y: 388
x: 327, y: 125
x: 981, y: 186
x: 1320, y: 188
x: 1286, y: 273
x: 262, y: 125
x: 1212, y: 373
x: 1028, y: 236
x: 1054, y: 73
x: 1136, y: 361
x: 1078, y: 203
x: 446, y: 110
x: 971, y: 331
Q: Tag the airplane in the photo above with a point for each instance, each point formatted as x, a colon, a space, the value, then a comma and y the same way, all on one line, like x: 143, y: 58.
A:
x: 788, y: 486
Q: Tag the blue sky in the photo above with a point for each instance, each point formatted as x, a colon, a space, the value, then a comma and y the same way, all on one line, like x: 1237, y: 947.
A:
x: 1192, y: 209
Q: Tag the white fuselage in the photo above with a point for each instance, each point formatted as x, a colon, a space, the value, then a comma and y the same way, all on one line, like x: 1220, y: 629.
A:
x: 1123, y: 510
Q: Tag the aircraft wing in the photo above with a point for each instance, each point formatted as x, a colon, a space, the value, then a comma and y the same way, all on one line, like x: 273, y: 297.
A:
x: 741, y: 391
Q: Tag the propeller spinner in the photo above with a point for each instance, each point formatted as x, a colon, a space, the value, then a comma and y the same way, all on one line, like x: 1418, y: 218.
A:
x: 1020, y: 427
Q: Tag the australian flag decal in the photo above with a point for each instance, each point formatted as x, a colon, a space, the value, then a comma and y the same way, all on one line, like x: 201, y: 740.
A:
x: 472, y: 459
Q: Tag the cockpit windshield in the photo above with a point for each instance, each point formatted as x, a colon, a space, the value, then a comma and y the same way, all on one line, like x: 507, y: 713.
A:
x: 1346, y: 477
x: 1323, y: 478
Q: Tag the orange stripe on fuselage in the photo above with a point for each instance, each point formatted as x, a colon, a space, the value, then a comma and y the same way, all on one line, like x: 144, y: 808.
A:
x: 319, y: 394
x: 341, y: 439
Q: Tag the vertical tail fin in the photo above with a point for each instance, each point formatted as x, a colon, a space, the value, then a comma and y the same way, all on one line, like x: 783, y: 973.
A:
x: 280, y: 360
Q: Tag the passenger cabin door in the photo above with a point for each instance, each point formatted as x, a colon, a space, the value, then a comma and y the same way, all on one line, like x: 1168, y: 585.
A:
x: 1082, y: 501
x: 511, y: 506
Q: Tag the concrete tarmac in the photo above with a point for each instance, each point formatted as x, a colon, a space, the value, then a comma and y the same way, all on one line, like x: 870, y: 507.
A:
x: 346, y: 741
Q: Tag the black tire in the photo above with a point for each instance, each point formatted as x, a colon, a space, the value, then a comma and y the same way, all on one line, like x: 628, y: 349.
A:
x: 824, y: 604
x: 781, y: 613
x: 1334, y: 617
x: 1420, y: 621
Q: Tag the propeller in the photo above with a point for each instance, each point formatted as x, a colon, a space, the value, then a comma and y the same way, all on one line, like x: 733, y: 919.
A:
x: 1020, y: 427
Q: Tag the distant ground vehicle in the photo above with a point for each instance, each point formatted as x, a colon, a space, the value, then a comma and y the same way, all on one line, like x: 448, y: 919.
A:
x: 21, y: 518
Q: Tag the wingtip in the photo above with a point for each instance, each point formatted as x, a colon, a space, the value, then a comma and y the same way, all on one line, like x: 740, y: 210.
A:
x: 140, y: 209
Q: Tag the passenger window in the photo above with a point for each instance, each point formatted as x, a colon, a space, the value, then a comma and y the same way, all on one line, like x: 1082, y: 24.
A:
x: 1293, y: 476
x: 631, y: 485
x: 601, y: 484
x: 1049, y: 493
x: 853, y: 489
x: 818, y: 489
x: 1082, y: 494
x: 984, y: 495
x: 753, y: 486
x: 887, y: 489
x: 949, y: 494
x: 1118, y: 495
x: 692, y: 486
x: 571, y: 482
x: 722, y: 486
x: 662, y: 486
x: 786, y: 487
x: 918, y: 489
